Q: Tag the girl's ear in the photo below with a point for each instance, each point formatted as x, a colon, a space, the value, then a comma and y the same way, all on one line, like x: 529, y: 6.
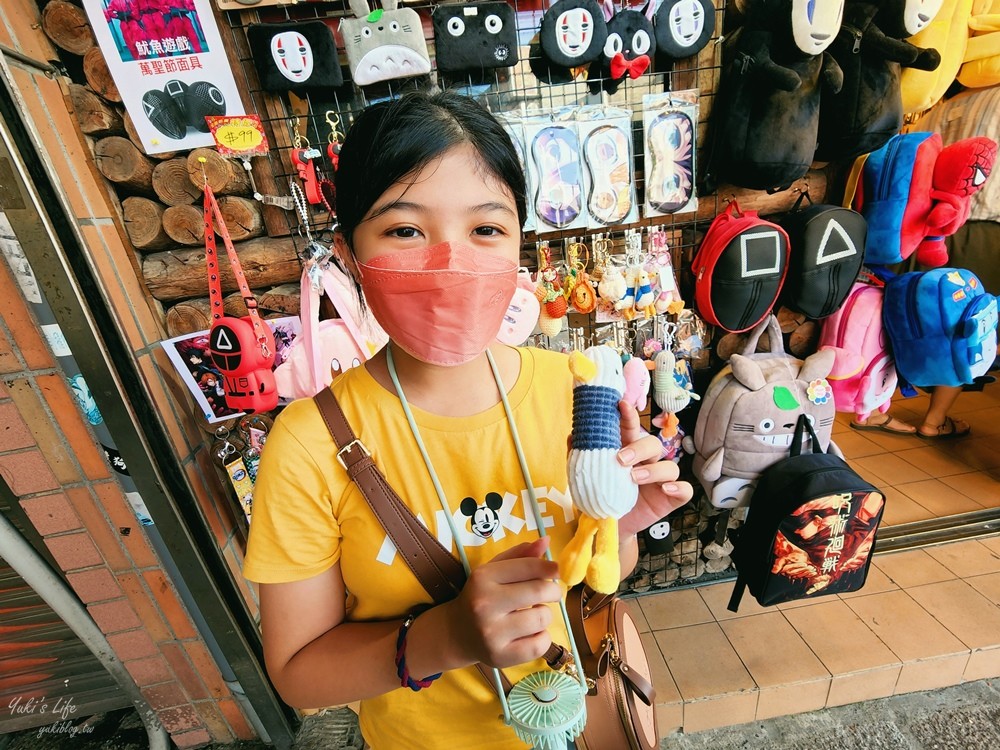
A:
x: 345, y: 255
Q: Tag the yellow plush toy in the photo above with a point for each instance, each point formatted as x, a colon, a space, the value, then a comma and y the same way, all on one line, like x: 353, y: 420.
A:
x: 948, y: 33
x: 602, y: 489
x: 982, y: 55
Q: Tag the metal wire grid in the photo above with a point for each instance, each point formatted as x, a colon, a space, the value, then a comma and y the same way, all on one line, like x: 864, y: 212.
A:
x: 511, y: 89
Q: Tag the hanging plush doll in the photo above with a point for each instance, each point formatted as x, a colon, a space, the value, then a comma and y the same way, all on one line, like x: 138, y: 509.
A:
x: 765, y: 119
x: 628, y: 51
x: 601, y: 488
x: 683, y: 27
x: 384, y: 44
x: 298, y: 57
x: 871, y: 51
x: 572, y: 35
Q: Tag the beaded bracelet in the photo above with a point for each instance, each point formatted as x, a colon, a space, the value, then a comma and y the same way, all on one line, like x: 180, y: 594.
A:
x: 404, y: 674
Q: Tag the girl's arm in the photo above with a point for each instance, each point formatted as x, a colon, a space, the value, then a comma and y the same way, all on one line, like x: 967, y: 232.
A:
x: 316, y: 659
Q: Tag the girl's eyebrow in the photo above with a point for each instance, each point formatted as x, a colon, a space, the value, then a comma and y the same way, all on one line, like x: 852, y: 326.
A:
x: 402, y: 205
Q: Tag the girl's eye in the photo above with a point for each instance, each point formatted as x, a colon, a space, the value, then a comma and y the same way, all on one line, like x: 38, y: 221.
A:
x: 404, y: 232
x: 487, y: 231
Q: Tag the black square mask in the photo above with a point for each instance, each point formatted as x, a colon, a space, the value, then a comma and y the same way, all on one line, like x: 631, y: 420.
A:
x: 474, y: 36
x: 295, y: 57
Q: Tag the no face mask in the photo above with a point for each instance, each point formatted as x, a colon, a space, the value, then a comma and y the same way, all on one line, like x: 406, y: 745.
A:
x: 293, y: 56
x: 815, y: 24
x: 918, y: 13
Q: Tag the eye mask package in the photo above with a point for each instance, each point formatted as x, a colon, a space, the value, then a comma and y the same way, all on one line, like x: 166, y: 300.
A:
x: 670, y: 125
x: 609, y: 174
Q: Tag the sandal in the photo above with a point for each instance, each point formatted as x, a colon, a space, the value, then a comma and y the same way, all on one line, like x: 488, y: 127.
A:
x: 950, y: 429
x: 884, y: 426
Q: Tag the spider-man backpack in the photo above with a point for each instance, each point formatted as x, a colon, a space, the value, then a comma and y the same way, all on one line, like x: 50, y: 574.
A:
x: 914, y: 193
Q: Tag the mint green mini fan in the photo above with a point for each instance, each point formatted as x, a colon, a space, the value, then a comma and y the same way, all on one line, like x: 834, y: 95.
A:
x: 547, y: 710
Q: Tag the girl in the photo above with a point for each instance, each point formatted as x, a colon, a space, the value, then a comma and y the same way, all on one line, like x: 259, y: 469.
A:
x: 431, y: 200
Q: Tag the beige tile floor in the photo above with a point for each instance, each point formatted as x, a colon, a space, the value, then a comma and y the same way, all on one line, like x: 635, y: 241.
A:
x: 926, y: 618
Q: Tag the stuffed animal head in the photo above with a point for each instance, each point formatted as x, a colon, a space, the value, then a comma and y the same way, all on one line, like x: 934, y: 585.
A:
x: 962, y: 167
x: 683, y: 27
x: 903, y: 18
x: 573, y: 32
x: 384, y: 44
x: 631, y: 42
x: 598, y: 366
x: 815, y: 24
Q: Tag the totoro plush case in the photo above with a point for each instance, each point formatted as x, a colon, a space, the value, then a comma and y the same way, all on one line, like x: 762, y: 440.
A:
x: 384, y: 44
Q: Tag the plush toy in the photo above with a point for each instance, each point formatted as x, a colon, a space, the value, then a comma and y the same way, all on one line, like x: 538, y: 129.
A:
x: 474, y: 36
x: 672, y: 388
x: 613, y: 286
x: 981, y: 66
x: 765, y: 120
x: 948, y: 33
x: 645, y: 297
x: 683, y: 27
x: 298, y: 57
x: 601, y: 488
x: 384, y: 44
x: 629, y: 49
x: 960, y: 171
x: 637, y: 380
x: 871, y: 50
x: 573, y: 32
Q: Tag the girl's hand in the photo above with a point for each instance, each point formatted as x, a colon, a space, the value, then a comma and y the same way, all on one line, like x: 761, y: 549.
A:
x: 501, y: 617
x: 659, y: 491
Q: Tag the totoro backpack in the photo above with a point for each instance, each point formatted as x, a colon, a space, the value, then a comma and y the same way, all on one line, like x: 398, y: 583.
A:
x: 863, y: 377
x: 749, y: 412
x: 942, y: 325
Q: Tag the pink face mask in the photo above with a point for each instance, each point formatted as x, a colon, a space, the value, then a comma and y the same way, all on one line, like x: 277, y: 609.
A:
x: 442, y: 304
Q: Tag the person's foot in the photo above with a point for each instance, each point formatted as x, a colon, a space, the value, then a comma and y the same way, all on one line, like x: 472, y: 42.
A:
x: 884, y: 422
x: 952, y: 428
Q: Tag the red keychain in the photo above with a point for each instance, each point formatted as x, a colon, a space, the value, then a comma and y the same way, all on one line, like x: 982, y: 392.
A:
x: 241, y: 348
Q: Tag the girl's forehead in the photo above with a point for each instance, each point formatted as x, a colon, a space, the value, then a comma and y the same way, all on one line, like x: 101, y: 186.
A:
x: 458, y: 173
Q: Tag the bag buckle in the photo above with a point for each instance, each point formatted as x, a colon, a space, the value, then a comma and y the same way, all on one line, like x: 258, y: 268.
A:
x: 348, y: 448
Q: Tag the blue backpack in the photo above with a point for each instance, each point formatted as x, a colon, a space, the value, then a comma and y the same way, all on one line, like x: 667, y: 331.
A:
x: 942, y: 325
x: 894, y: 196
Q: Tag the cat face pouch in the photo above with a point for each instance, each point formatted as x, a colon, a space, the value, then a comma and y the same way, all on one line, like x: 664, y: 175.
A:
x: 384, y: 44
x: 474, y: 36
x: 295, y: 57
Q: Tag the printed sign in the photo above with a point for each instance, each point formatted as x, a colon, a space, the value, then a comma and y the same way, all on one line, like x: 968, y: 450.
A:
x: 167, y: 59
x: 239, y: 137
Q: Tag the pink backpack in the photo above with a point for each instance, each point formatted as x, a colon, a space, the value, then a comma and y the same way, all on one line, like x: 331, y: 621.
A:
x: 863, y: 378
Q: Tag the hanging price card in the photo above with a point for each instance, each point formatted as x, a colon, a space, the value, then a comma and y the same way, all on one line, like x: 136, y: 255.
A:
x: 239, y: 137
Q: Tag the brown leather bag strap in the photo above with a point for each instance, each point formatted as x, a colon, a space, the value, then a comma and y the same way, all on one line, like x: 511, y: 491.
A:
x: 435, y: 568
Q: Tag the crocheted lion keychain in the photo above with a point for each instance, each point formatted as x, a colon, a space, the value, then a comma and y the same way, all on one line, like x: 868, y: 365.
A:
x: 602, y: 489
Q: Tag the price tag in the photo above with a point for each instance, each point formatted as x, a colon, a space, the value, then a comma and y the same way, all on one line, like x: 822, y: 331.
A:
x: 240, y: 137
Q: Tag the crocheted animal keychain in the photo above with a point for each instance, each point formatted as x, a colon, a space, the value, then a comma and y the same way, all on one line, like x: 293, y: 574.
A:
x: 602, y: 489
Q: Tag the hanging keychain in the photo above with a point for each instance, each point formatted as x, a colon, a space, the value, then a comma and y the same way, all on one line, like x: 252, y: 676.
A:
x: 302, y: 159
x: 315, y: 255
x: 228, y: 453
x: 253, y: 431
x: 582, y: 295
x: 549, y: 293
x: 668, y: 300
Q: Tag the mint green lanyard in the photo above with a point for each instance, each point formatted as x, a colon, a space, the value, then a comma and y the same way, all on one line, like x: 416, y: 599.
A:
x: 532, y: 498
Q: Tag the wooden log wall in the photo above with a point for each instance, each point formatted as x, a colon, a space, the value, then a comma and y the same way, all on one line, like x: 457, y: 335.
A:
x: 160, y: 196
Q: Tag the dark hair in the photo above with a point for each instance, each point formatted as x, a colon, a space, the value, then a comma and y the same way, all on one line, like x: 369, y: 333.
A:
x: 392, y: 140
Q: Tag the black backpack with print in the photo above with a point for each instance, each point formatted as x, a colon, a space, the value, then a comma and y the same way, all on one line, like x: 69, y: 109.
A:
x: 810, y: 530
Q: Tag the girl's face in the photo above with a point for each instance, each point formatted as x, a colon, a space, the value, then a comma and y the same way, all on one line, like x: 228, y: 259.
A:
x: 452, y: 199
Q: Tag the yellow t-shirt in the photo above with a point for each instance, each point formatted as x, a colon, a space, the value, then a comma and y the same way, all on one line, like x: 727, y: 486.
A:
x: 307, y: 515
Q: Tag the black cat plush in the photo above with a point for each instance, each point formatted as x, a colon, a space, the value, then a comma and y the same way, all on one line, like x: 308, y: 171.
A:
x: 474, y: 36
x: 628, y: 51
x: 765, y: 119
x: 683, y: 27
x: 871, y: 51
